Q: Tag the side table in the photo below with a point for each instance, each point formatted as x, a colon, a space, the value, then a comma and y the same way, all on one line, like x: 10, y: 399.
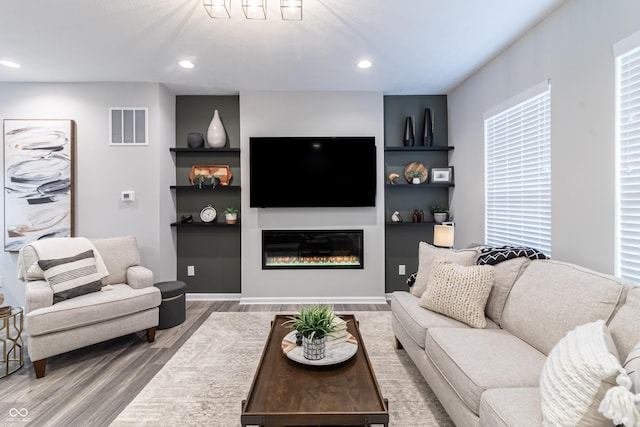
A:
x: 11, y: 342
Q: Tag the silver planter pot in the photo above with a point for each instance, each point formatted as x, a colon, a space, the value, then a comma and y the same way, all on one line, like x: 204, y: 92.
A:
x: 314, y: 349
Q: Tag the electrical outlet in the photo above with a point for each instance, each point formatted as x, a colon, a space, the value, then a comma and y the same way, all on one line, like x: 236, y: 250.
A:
x: 402, y: 270
x: 191, y: 270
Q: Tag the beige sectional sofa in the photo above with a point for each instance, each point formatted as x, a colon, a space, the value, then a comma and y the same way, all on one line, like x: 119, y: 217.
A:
x: 491, y: 376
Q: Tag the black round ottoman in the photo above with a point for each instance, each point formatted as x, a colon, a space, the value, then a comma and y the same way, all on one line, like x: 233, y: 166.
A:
x: 172, y: 308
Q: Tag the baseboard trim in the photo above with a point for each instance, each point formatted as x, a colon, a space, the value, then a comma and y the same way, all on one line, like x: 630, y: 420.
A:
x: 313, y: 300
x: 212, y: 297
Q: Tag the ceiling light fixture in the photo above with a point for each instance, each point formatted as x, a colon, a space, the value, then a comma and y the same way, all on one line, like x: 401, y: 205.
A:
x: 218, y: 8
x: 365, y: 63
x: 291, y: 10
x: 186, y: 64
x: 254, y: 9
x: 9, y: 64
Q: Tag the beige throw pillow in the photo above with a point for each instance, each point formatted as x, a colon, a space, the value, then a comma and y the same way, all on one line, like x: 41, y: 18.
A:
x: 459, y: 292
x: 427, y: 254
x: 580, y: 369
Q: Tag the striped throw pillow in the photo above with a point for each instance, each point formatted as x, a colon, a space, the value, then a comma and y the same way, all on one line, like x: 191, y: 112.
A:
x: 72, y: 276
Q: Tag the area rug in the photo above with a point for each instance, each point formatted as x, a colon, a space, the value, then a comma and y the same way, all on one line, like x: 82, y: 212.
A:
x: 206, y: 380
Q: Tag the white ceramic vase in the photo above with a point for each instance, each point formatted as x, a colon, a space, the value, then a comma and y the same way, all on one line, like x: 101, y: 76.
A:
x: 216, y: 135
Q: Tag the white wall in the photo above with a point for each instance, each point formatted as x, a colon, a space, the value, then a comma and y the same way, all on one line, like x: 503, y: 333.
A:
x: 311, y: 114
x: 102, y: 171
x: 574, y: 48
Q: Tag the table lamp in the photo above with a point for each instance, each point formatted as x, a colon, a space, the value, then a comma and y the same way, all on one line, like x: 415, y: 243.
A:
x: 443, y: 235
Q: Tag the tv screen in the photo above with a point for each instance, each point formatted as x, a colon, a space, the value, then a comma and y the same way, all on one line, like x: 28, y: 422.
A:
x: 312, y: 172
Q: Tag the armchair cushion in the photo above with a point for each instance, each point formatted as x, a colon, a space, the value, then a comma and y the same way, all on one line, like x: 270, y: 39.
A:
x: 119, y: 253
x: 71, y: 276
x: 97, y: 307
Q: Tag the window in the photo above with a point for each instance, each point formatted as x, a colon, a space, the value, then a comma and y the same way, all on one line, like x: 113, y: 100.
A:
x: 518, y: 172
x: 628, y: 165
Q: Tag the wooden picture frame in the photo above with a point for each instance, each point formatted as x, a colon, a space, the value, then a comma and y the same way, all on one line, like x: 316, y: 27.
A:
x: 442, y: 175
x: 38, y: 180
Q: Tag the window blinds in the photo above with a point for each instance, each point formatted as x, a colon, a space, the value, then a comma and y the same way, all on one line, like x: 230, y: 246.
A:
x: 518, y: 175
x: 628, y: 166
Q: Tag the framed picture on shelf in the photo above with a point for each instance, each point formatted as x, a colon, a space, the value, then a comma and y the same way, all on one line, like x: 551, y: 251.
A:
x: 442, y: 175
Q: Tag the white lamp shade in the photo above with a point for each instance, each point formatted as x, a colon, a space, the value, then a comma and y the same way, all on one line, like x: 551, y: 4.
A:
x: 443, y: 235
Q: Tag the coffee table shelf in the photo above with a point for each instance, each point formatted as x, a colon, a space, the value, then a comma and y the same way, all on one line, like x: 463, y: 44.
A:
x: 285, y: 393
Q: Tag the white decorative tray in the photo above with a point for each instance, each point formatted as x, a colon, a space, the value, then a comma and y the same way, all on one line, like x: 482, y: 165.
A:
x: 335, y: 353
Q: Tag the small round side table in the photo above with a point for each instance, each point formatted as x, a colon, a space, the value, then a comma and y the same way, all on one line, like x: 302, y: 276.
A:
x: 11, y: 342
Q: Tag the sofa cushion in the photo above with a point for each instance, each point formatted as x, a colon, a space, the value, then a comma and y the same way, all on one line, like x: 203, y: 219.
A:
x: 624, y: 324
x: 96, y: 307
x: 417, y: 320
x: 71, y: 276
x: 512, y: 406
x: 580, y: 369
x: 428, y: 253
x: 458, y: 291
x: 119, y: 253
x: 551, y: 298
x: 506, y: 272
x: 473, y: 361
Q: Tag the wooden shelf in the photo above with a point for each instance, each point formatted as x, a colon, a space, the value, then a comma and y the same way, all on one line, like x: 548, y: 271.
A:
x: 205, y: 187
x: 416, y: 186
x: 204, y: 224
x: 419, y: 148
x: 203, y: 150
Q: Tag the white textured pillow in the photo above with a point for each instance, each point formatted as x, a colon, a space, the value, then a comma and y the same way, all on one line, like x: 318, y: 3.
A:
x: 580, y: 369
x: 427, y: 254
x: 632, y: 366
x: 72, y: 276
x: 459, y: 291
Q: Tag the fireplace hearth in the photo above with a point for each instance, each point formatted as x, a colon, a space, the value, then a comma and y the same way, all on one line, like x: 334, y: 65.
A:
x: 302, y: 249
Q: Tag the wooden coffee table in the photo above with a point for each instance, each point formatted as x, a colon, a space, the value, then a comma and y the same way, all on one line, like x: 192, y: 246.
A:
x: 285, y: 393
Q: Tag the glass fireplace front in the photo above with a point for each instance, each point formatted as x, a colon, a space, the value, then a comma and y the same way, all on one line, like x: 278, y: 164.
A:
x: 300, y: 249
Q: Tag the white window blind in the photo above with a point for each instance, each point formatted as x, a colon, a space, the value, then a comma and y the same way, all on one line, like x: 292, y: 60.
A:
x: 628, y: 165
x: 518, y: 174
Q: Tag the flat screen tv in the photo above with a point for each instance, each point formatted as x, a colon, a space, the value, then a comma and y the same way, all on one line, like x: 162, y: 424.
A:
x: 312, y: 172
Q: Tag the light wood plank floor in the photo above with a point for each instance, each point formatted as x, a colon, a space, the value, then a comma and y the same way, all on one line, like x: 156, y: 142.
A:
x: 91, y: 386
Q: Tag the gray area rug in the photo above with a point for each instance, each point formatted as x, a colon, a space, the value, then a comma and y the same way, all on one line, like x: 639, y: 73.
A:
x: 206, y: 380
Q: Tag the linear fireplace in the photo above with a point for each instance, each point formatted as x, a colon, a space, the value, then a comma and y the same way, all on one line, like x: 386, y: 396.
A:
x: 301, y: 249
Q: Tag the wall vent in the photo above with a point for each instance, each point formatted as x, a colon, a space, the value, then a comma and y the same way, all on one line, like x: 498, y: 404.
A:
x: 128, y: 126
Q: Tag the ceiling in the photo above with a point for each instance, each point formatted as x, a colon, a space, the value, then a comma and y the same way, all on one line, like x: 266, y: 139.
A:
x: 416, y: 46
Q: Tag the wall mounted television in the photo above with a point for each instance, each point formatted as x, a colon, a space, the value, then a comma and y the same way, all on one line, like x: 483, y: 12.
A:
x: 286, y: 172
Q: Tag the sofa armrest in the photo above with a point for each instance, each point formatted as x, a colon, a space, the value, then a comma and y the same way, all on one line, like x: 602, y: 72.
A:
x: 139, y: 277
x: 38, y: 295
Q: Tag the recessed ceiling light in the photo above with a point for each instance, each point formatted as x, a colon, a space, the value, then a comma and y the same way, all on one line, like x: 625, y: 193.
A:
x: 186, y: 64
x: 9, y: 64
x: 365, y: 63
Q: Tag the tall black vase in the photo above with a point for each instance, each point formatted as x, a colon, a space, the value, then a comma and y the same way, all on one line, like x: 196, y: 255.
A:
x: 409, y: 133
x: 428, y: 128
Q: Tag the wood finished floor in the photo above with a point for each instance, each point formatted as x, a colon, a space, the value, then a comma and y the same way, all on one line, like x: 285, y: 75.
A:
x: 91, y: 386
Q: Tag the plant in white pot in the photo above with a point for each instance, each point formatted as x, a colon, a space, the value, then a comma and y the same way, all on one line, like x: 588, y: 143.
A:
x: 416, y: 176
x: 314, y: 323
x: 439, y: 213
x: 231, y: 215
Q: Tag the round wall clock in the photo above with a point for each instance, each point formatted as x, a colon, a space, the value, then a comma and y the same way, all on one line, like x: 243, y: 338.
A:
x: 208, y: 214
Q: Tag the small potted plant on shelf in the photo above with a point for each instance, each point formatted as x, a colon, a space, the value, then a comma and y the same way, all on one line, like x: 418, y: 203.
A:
x: 415, y: 176
x: 313, y: 323
x: 439, y: 213
x: 231, y: 215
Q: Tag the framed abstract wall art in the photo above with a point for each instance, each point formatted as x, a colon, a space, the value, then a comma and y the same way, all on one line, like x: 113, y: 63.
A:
x: 38, y: 180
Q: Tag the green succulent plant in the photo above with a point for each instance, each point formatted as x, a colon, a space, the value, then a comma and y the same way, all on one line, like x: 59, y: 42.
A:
x: 315, y: 321
x: 439, y: 209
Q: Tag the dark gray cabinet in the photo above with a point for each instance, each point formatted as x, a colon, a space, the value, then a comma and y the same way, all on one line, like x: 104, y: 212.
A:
x: 402, y: 239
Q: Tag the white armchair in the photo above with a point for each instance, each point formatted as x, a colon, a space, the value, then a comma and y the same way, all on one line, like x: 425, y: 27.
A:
x: 126, y: 301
